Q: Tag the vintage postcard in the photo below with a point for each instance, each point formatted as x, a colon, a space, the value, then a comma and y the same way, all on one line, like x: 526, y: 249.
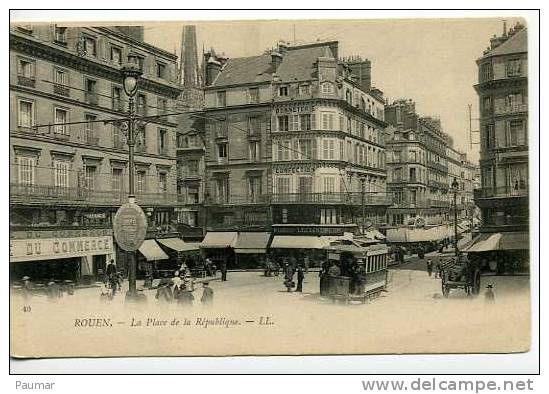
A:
x: 269, y: 187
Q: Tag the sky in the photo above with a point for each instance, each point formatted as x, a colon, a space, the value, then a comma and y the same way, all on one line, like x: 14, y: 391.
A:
x: 431, y: 61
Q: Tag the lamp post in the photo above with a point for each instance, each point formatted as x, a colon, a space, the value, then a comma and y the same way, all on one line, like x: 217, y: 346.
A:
x: 455, y: 186
x: 362, y: 180
x: 131, y: 72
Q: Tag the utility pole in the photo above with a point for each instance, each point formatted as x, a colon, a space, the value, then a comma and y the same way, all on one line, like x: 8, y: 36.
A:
x: 131, y: 192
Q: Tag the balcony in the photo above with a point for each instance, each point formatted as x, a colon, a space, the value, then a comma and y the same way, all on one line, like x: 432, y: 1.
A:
x: 92, y: 98
x: 370, y: 198
x: 41, y: 194
x: 437, y: 166
x: 92, y: 140
x: 500, y: 192
x: 511, y: 109
x: 438, y: 203
x: 239, y: 200
x: 61, y: 90
x: 438, y: 185
x: 26, y: 81
x: 63, y: 135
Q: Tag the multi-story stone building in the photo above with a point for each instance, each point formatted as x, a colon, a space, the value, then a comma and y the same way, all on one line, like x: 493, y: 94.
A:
x: 417, y: 166
x: 295, y: 139
x: 503, y: 99
x: 69, y: 170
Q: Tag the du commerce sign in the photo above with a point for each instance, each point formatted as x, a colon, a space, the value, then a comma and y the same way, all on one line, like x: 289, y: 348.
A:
x: 59, y: 248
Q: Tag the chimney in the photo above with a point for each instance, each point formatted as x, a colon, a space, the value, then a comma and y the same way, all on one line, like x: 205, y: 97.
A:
x: 213, y: 67
x: 276, y: 59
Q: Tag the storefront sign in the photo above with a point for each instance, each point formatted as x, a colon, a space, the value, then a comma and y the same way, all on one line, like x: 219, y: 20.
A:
x: 63, y: 233
x: 296, y: 107
x: 130, y: 226
x: 58, y: 248
x: 309, y: 230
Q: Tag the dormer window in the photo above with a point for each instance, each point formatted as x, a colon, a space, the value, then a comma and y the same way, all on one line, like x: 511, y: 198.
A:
x: 304, y: 90
x: 283, y: 91
x: 327, y: 88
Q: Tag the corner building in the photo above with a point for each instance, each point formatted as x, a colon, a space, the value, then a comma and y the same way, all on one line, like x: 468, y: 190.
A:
x: 296, y: 142
x: 503, y: 197
x: 69, y: 170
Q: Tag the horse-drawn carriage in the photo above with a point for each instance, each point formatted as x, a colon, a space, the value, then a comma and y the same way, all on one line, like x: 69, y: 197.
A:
x: 460, y: 273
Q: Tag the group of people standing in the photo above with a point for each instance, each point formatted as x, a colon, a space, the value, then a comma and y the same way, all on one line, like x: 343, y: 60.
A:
x: 180, y: 289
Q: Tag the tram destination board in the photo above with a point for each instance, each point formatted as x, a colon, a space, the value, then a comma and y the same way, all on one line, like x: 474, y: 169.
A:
x: 130, y: 226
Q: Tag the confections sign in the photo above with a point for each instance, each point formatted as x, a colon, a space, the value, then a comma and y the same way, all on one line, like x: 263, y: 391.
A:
x: 130, y: 226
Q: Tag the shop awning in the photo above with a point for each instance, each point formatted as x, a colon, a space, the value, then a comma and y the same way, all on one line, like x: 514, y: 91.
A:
x: 252, y: 242
x: 377, y: 234
x: 219, y: 239
x: 485, y: 243
x: 152, y: 251
x: 177, y: 244
x: 514, y: 241
x: 299, y: 242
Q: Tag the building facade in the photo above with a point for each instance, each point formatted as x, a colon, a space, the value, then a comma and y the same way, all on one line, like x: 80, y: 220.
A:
x: 503, y: 100
x: 294, y: 140
x: 69, y: 169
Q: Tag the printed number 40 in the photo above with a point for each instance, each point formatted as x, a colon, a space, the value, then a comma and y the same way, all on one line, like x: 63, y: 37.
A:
x: 26, y: 308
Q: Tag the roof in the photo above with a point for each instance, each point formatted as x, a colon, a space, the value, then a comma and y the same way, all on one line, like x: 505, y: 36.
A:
x: 297, y: 63
x: 300, y: 63
x: 517, y: 43
x: 243, y: 70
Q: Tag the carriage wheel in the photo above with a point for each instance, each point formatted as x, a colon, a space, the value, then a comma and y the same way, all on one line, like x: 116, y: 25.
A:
x: 476, y: 283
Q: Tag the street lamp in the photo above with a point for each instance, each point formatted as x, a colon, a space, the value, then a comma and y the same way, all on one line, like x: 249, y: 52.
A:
x: 455, y: 186
x: 131, y: 72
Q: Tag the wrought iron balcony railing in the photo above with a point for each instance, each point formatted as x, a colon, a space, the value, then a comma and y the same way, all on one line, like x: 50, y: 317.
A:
x: 61, y: 90
x: 26, y: 81
x: 502, y: 191
x: 78, y: 195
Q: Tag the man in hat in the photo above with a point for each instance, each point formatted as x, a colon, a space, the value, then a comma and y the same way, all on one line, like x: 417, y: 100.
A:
x: 429, y: 267
x: 53, y: 291
x: 185, y: 297
x: 489, y: 296
x: 27, y: 287
x: 300, y: 277
x: 224, y: 270
x: 207, y: 294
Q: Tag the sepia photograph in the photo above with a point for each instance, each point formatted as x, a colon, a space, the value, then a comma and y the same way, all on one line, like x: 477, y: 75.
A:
x: 270, y: 187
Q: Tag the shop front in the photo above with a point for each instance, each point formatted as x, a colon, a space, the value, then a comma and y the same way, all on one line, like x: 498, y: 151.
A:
x: 218, y: 246
x: 505, y: 253
x: 77, y: 255
x: 250, y: 249
x: 150, y: 261
x: 180, y: 252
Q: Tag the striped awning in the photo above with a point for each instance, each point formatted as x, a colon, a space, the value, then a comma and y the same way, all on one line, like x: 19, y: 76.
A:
x: 252, y: 242
x: 151, y: 251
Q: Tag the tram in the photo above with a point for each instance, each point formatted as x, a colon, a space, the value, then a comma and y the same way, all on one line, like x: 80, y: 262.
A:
x: 354, y: 272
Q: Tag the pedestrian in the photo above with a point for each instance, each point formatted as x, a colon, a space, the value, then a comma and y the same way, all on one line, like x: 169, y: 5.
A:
x: 421, y: 253
x: 438, y: 273
x: 306, y: 263
x: 185, y: 298
x: 429, y: 267
x: 111, y: 268
x: 288, y: 276
x: 224, y: 270
x: 207, y: 295
x: 188, y: 282
x: 334, y: 270
x: 113, y: 283
x: 489, y: 296
x: 300, y: 277
x: 52, y: 291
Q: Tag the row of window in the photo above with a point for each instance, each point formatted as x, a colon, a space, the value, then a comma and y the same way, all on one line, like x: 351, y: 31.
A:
x: 88, y: 45
x: 26, y: 119
x: 26, y: 68
x: 514, y: 135
x: 513, y: 68
x: 26, y: 175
